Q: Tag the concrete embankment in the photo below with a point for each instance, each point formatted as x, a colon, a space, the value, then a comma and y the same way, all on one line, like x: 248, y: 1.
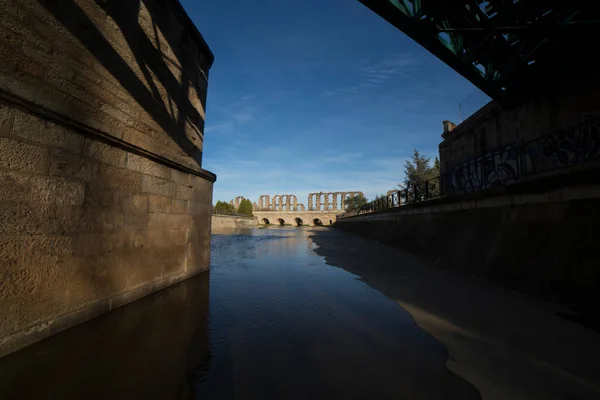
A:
x: 545, y: 244
x: 232, y: 221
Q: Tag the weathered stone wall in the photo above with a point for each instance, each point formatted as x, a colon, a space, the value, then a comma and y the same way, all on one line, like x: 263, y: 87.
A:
x: 231, y: 221
x: 547, y: 135
x: 102, y: 195
x: 545, y: 243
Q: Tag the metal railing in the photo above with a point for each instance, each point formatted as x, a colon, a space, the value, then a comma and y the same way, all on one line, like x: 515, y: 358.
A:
x: 574, y: 146
x: 416, y: 193
x: 568, y: 147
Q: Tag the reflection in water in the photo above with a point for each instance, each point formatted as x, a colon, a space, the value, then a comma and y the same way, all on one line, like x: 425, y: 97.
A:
x: 149, y: 349
x: 283, y: 325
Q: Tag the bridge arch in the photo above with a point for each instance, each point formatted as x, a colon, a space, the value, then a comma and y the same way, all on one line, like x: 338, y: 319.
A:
x: 266, y: 221
x: 299, y: 221
x: 281, y: 221
x: 317, y: 222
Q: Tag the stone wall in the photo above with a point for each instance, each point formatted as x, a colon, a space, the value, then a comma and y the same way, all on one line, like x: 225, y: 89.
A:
x: 102, y: 195
x: 230, y: 221
x: 553, y: 134
x: 544, y: 243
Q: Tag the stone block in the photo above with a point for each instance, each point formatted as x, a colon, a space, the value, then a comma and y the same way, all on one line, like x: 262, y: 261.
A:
x: 14, y: 187
x: 34, y: 129
x: 47, y: 249
x: 64, y: 163
x: 119, y: 178
x: 18, y: 156
x: 158, y: 204
x: 159, y: 221
x: 14, y: 9
x: 6, y: 118
x: 115, y: 199
x: 20, y: 219
x: 151, y: 184
x: 179, y: 207
x: 11, y: 251
x: 184, y: 192
x: 59, y: 191
x: 180, y: 177
x: 202, y: 189
x: 88, y: 220
x: 146, y: 166
x: 105, y: 153
x: 136, y: 220
x: 94, y: 245
x: 9, y: 320
x: 134, y: 202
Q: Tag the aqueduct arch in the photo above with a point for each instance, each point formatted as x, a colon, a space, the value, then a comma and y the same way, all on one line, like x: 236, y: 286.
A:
x: 331, y: 201
x: 238, y: 200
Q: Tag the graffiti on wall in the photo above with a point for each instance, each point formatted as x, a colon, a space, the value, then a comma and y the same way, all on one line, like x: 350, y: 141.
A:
x: 565, y: 148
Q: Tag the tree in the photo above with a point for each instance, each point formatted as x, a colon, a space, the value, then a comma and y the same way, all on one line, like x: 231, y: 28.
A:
x: 223, y: 207
x: 245, y: 207
x: 416, y: 172
x: 354, y: 203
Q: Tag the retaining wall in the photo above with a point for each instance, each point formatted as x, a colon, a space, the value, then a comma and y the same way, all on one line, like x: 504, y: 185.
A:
x: 547, y: 244
x: 231, y: 221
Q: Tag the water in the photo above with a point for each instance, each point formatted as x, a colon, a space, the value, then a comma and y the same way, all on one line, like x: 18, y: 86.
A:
x: 284, y: 324
x: 278, y: 322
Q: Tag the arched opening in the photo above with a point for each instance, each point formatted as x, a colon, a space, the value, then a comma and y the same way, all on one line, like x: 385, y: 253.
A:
x: 330, y: 222
x: 317, y: 222
x: 266, y: 221
x: 281, y: 222
x: 299, y: 222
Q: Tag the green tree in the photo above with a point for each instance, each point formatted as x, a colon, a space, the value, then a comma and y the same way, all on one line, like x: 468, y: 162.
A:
x: 417, y: 170
x: 245, y: 207
x: 353, y: 203
x: 223, y: 207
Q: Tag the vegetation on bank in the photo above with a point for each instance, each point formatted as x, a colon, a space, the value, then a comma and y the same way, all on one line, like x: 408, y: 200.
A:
x: 223, y: 208
x: 418, y: 170
x: 245, y: 208
x: 354, y: 203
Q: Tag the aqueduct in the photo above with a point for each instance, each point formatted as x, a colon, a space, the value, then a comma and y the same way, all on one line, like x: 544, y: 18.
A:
x: 284, y: 209
x: 329, y: 201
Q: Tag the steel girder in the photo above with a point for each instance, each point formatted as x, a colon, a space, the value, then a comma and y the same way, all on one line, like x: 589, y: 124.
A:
x: 507, y: 48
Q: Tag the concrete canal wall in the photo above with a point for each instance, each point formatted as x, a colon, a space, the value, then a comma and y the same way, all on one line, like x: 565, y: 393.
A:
x: 546, y: 243
x: 232, y: 221
x: 103, y: 198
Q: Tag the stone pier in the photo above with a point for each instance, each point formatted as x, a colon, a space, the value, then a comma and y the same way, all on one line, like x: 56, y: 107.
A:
x: 103, y: 198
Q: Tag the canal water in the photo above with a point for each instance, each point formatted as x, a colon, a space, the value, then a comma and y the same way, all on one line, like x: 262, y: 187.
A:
x: 272, y: 320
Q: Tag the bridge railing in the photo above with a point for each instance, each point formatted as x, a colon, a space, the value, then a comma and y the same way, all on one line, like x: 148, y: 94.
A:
x: 416, y: 193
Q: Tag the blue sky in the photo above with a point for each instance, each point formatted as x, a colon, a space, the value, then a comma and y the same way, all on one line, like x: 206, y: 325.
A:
x: 318, y: 95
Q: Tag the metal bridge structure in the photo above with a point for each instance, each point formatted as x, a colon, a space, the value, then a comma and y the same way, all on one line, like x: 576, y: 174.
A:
x: 510, y: 49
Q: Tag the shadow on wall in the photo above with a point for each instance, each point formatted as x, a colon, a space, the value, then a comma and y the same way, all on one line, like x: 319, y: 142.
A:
x: 153, y: 63
x: 131, y: 353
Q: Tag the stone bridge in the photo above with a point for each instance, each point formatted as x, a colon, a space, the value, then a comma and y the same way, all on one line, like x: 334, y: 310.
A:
x: 284, y: 209
x: 296, y: 218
